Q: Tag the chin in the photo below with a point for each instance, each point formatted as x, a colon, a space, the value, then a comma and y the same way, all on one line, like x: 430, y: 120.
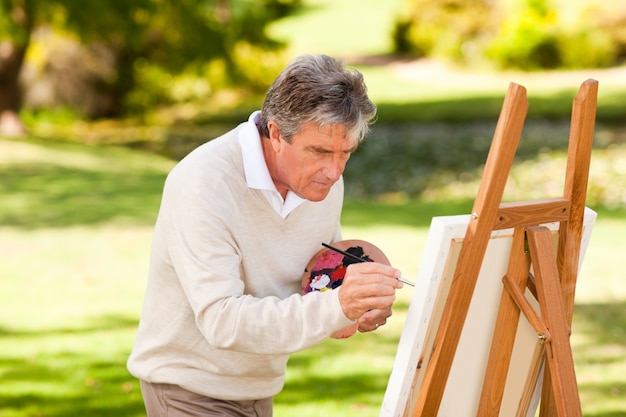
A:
x: 319, y: 196
x: 316, y: 191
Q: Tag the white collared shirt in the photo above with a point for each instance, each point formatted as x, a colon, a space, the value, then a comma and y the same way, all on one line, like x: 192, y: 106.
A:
x: 257, y: 174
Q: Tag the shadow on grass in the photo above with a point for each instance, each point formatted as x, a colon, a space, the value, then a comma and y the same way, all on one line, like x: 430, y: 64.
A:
x: 354, y: 388
x: 68, y: 372
x: 36, y: 387
x: 47, y: 195
x: 347, y: 371
x: 603, y: 325
x: 558, y: 106
x: 102, y: 323
x: 470, y: 108
x: 400, y: 160
x: 350, y: 384
x: 414, y: 213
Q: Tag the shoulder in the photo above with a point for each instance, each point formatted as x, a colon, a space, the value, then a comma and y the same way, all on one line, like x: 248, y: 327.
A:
x: 220, y: 154
x: 210, y: 169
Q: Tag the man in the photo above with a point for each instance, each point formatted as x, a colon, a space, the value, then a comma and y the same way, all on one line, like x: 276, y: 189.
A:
x: 240, y: 218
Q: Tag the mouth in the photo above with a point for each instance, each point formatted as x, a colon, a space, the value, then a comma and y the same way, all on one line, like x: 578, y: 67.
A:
x: 322, y: 184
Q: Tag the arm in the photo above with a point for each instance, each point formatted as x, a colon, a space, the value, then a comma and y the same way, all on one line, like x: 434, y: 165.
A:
x: 209, y: 265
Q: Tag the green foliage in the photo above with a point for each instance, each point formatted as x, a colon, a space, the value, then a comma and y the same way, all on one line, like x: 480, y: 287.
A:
x: 15, y: 21
x: 537, y: 37
x: 449, y: 28
x: 159, y: 51
x: 588, y: 48
x: 437, y: 162
x: 596, y: 38
x: 55, y: 116
x: 168, y: 44
x: 528, y: 39
x: 524, y: 34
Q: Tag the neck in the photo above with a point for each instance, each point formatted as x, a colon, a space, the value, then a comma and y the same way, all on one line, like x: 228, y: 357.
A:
x: 270, y: 161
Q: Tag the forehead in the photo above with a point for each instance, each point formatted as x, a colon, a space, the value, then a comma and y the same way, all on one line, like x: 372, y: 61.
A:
x: 330, y: 135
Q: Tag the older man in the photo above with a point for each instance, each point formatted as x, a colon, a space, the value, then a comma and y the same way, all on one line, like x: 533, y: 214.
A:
x: 240, y: 218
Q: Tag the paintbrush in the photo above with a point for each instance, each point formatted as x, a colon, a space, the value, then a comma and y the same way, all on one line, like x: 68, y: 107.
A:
x: 358, y: 259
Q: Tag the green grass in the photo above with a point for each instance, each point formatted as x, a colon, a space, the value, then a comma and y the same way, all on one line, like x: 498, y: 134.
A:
x: 356, y: 27
x: 70, y: 301
x: 73, y: 279
x: 70, y: 184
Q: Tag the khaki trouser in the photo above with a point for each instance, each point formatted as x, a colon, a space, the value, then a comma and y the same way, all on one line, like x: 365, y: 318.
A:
x: 166, y: 400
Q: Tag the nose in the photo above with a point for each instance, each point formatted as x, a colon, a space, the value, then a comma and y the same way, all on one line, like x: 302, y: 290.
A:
x: 334, y: 169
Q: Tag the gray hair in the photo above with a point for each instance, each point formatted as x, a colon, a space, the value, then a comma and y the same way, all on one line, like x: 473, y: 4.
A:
x: 321, y: 90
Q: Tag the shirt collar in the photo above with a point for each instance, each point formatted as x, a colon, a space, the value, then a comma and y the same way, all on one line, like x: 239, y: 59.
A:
x: 255, y: 168
x: 257, y: 174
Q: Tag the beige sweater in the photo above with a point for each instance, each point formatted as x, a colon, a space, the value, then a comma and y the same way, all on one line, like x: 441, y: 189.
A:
x: 222, y: 308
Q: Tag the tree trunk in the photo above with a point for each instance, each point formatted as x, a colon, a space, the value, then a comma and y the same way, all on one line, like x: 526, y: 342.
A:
x: 11, y: 94
x: 12, y: 53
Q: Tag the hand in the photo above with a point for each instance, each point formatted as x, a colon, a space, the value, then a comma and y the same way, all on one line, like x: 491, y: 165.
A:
x: 373, y: 319
x: 369, y: 286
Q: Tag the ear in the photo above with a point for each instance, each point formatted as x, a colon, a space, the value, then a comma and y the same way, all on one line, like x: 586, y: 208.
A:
x: 274, y: 138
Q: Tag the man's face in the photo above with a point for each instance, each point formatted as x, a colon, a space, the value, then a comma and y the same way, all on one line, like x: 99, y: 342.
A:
x: 312, y: 162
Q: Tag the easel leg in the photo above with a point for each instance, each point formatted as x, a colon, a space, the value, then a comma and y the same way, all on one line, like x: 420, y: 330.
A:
x: 505, y: 329
x: 559, y: 357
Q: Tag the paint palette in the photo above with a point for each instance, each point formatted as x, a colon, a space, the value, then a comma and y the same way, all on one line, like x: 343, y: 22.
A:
x: 327, y: 268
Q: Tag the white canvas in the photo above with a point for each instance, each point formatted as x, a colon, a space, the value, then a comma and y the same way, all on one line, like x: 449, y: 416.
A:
x: 464, y: 383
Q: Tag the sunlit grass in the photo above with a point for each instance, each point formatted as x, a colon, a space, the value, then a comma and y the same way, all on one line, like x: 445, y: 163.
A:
x: 72, y: 286
x: 68, y: 317
x: 69, y: 303
x: 367, y: 30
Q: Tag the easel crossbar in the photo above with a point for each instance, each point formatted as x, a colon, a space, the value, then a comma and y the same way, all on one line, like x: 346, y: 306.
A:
x: 532, y: 212
x: 533, y: 318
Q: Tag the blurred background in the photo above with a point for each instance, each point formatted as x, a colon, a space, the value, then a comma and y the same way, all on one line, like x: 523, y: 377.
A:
x: 99, y: 99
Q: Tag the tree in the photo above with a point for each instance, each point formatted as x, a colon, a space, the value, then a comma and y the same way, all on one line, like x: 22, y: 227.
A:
x: 15, y: 28
x: 445, y: 28
x: 171, y: 35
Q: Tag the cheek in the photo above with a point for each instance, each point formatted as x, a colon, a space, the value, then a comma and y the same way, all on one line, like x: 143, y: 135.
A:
x: 289, y: 160
x: 311, y: 169
x: 296, y: 169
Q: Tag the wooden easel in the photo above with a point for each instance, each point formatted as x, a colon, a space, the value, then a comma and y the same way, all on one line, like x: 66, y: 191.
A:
x: 533, y: 264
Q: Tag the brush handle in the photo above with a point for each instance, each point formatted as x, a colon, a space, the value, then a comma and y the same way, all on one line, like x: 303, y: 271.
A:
x: 357, y: 259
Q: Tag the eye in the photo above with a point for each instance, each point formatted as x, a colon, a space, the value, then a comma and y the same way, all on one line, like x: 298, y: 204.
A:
x: 319, y: 152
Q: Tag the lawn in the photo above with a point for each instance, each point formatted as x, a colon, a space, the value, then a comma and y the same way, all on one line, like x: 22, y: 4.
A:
x: 75, y: 227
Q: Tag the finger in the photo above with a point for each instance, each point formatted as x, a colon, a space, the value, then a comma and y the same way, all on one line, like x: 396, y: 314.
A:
x: 379, y: 282
x: 376, y: 304
x: 367, y: 287
x: 364, y: 328
x: 356, y: 300
x: 375, y: 268
x: 373, y: 319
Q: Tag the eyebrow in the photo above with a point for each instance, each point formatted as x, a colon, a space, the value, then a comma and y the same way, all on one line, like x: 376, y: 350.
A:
x: 319, y: 149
